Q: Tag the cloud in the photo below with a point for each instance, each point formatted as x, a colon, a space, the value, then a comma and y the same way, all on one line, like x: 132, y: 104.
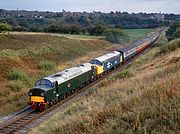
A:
x: 170, y: 6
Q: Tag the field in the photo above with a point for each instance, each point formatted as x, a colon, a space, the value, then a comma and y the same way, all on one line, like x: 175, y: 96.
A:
x: 136, y: 33
x: 144, y: 98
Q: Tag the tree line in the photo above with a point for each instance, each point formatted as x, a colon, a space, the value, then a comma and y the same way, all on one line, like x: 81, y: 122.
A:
x: 115, y: 34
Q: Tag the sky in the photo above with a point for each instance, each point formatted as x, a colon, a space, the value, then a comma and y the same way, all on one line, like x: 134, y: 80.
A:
x: 135, y: 6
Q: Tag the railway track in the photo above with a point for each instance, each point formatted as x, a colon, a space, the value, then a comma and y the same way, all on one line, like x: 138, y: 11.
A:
x: 23, y: 118
x: 15, y: 123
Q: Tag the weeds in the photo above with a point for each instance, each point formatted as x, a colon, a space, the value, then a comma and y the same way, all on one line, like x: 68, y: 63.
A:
x: 15, y: 86
x: 123, y: 74
x: 171, y: 46
x: 17, y: 74
x: 46, y: 65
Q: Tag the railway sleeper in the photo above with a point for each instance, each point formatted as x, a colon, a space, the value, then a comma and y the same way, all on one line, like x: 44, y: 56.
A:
x: 3, y: 131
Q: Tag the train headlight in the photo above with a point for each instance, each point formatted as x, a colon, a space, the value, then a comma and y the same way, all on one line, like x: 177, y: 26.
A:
x: 30, y: 93
x: 42, y: 94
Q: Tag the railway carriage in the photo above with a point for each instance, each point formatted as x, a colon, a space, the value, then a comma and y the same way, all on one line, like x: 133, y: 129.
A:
x: 106, y: 62
x: 153, y: 38
x: 144, y: 44
x: 127, y: 53
x: 138, y: 46
x: 55, y: 87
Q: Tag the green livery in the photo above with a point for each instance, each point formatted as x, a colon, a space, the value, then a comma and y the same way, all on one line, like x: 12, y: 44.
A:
x: 55, y: 86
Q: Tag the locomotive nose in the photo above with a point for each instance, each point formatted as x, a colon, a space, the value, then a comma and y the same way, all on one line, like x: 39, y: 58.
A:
x: 37, y: 99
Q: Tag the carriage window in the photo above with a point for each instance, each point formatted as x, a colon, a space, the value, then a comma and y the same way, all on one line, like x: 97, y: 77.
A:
x: 44, y: 82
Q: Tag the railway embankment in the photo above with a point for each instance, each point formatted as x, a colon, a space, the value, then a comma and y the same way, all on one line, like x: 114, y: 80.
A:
x: 26, y: 57
x: 144, y: 98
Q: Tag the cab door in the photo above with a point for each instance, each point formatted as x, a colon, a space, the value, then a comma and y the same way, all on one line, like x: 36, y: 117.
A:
x: 56, y: 89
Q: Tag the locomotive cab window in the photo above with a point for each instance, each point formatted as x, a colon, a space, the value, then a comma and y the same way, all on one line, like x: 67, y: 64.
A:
x: 96, y: 62
x: 44, y: 82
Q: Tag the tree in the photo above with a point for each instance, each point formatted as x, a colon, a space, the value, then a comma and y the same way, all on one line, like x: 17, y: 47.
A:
x: 5, y: 27
x: 173, y: 31
x: 115, y: 35
x: 96, y: 30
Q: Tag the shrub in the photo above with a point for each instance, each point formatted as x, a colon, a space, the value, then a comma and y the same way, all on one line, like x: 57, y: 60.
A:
x: 15, y: 86
x: 163, y: 50
x: 123, y: 74
x: 174, y: 31
x: 5, y: 27
x: 8, y: 53
x: 115, y: 35
x: 17, y: 74
x: 92, y: 91
x: 176, y: 42
x: 46, y: 65
x: 172, y: 47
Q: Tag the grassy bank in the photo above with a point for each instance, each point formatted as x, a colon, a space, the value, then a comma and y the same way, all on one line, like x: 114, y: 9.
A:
x: 25, y: 58
x: 142, y: 99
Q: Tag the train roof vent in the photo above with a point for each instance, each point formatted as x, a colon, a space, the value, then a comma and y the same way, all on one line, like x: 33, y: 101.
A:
x: 57, y: 75
x: 81, y: 65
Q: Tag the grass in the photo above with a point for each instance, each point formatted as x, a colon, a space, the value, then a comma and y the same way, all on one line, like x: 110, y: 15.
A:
x: 17, y: 74
x: 134, y: 34
x: 46, y: 65
x: 16, y: 86
x: 71, y: 36
x: 123, y: 74
x: 145, y: 102
x: 171, y: 46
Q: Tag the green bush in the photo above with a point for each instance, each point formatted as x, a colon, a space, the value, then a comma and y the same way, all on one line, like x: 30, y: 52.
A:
x: 163, y: 50
x: 176, y: 42
x: 172, y: 47
x: 17, y: 74
x: 46, y: 65
x: 116, y: 35
x: 5, y: 27
x: 15, y: 86
x: 174, y: 31
x: 123, y: 74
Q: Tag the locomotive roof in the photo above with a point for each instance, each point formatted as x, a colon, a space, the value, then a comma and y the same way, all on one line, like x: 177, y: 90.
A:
x: 69, y: 73
x: 107, y: 56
